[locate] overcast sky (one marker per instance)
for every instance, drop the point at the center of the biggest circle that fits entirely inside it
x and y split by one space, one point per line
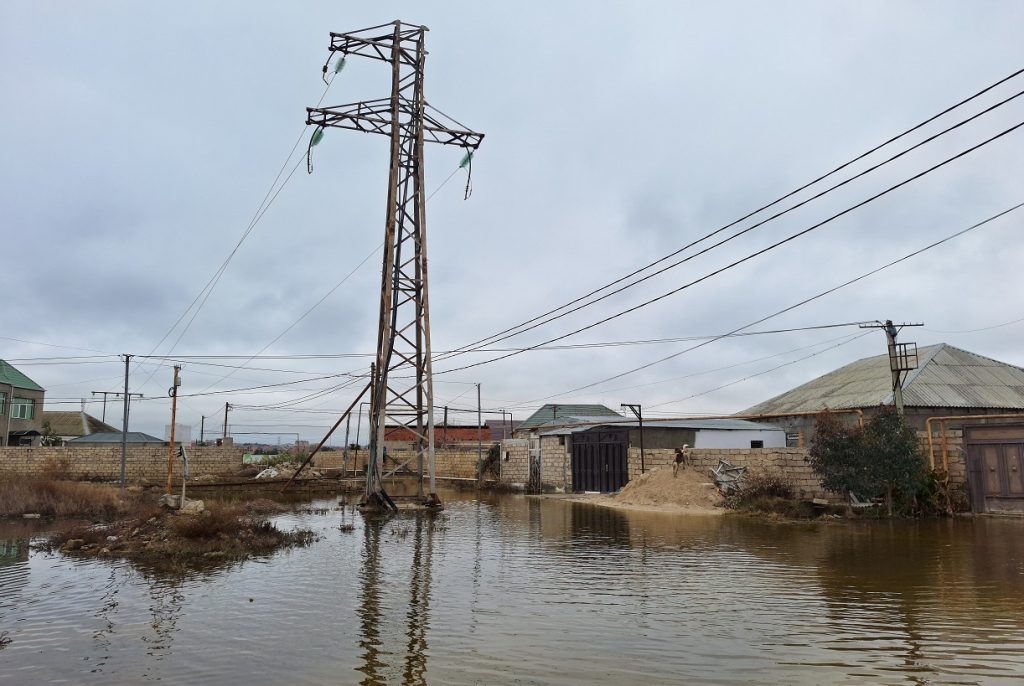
139 139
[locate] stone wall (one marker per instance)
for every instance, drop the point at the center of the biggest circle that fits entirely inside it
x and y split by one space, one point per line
956 454
104 462
515 462
555 461
790 462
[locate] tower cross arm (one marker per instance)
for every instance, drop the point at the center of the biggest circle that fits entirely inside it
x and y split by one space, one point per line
377 42
374 116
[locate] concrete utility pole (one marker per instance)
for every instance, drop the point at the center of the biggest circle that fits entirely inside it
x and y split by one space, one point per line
173 392
637 410
403 335
202 429
902 357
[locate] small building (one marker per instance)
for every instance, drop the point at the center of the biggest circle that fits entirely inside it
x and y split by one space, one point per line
595 453
114 438
21 408
68 425
500 429
569 412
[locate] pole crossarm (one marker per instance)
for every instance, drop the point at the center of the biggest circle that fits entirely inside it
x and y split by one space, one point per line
375 116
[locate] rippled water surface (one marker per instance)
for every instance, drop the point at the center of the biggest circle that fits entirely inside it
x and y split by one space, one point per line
517 590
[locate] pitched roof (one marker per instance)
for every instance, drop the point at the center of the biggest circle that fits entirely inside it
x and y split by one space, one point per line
556 411
9 376
946 376
74 423
115 437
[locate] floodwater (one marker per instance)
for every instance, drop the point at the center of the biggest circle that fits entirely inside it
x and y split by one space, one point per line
517 590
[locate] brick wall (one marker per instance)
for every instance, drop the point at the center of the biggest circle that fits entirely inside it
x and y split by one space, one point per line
555 462
104 462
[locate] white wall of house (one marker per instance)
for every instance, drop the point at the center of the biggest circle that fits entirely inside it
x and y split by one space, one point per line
713 438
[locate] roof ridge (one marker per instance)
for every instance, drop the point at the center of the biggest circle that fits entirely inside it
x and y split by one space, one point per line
939 347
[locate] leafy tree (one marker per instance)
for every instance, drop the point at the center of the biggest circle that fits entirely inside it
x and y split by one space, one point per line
882 459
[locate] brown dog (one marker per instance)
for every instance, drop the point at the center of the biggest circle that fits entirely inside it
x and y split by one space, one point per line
682 458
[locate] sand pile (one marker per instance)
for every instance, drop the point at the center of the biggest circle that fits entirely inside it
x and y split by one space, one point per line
692 489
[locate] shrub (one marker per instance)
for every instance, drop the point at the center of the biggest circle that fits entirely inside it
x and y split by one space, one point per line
881 459
218 519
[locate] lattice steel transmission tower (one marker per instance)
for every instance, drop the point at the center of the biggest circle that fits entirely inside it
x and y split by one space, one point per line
401 387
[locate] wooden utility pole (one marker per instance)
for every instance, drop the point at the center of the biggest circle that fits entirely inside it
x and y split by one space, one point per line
902 357
403 334
479 440
173 392
227 406
124 423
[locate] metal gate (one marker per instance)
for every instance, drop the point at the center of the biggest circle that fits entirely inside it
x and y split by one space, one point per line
533 480
995 467
599 460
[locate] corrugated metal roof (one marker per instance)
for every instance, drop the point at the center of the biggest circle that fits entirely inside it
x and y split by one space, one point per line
561 412
946 377
586 423
9 376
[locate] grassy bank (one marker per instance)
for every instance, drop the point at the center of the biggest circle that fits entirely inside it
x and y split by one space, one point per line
55 498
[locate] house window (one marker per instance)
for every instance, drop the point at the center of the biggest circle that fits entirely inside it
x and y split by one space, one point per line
3 403
22 408
757 444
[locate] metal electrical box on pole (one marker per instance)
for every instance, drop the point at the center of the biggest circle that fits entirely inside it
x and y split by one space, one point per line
902 357
402 384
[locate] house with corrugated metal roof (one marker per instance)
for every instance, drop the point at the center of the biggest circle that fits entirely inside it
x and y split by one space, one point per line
568 412
948 381
21 407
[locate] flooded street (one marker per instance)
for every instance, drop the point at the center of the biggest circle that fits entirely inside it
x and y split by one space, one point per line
517 590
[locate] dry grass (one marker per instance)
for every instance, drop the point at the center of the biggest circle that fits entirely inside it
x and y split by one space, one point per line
52 498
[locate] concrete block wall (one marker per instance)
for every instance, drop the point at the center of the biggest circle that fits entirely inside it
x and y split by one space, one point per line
104 462
790 462
555 462
515 470
453 461
956 454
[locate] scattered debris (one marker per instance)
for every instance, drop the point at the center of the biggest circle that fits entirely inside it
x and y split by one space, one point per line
728 477
5 639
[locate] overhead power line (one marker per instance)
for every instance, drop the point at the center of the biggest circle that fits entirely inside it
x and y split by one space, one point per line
796 305
541 320
502 334
755 254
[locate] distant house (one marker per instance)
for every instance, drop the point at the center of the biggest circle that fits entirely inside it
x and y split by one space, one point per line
400 437
500 429
21 408
569 412
114 438
71 425
948 381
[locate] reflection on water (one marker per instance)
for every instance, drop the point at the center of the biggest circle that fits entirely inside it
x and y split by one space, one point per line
516 590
